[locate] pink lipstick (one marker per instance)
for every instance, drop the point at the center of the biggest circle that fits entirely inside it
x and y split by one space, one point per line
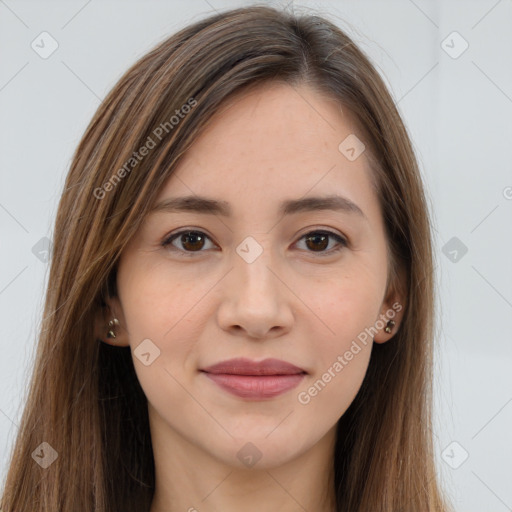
255 380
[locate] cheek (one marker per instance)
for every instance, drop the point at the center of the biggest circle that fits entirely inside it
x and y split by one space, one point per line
341 360
173 332
172 324
160 322
160 304
348 307
329 393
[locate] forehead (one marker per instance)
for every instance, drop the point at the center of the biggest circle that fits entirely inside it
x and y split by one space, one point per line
272 142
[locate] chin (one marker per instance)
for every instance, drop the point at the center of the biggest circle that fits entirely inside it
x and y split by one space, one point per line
264 451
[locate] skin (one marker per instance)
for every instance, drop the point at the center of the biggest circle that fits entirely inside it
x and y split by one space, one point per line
299 302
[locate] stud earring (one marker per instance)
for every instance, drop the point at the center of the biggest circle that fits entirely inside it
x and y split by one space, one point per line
111 324
389 326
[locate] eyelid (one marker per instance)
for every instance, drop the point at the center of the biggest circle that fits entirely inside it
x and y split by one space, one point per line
342 240
168 239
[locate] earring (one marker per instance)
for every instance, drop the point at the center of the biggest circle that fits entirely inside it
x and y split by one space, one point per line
390 326
111 324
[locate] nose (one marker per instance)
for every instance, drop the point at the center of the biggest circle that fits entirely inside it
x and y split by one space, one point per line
256 300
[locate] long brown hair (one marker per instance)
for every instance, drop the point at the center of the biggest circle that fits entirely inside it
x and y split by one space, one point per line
85 400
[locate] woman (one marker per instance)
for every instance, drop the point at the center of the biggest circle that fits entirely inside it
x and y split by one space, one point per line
240 303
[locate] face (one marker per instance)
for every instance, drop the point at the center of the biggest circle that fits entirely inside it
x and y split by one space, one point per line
199 288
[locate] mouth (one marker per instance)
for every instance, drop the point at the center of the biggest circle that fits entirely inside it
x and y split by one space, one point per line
255 380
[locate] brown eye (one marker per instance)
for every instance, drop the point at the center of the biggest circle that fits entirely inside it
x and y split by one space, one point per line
191 241
318 241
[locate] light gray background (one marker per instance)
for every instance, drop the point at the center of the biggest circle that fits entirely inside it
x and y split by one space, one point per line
458 112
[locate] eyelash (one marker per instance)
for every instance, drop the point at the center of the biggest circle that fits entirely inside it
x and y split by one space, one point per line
342 242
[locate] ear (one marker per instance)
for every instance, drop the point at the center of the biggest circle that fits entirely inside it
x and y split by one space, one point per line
393 308
104 315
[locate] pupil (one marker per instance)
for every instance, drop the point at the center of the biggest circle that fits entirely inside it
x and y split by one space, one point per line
315 237
189 236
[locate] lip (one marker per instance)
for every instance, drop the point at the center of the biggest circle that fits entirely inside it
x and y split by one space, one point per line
255 380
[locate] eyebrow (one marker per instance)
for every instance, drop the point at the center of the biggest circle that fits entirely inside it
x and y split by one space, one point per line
205 205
